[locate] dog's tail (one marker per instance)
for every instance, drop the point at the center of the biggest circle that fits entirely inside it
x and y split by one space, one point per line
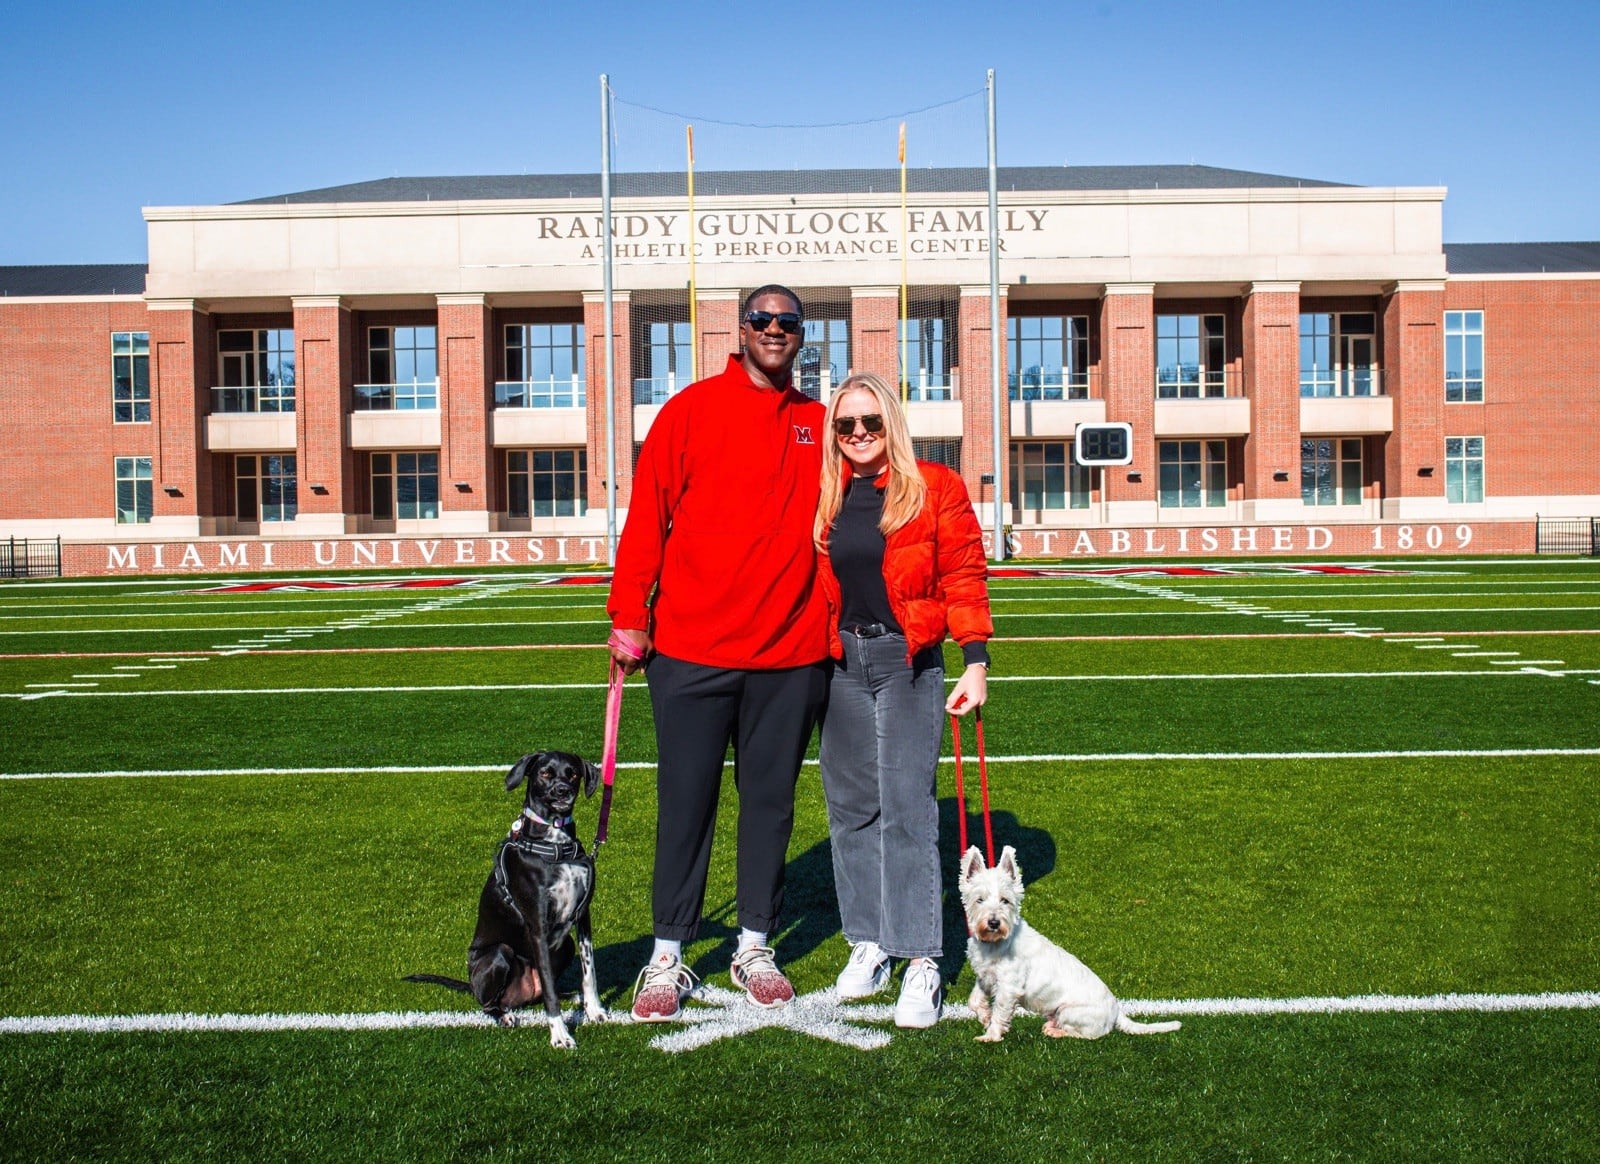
1130 1026
441 980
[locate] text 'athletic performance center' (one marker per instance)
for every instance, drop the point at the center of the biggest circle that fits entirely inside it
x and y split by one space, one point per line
412 372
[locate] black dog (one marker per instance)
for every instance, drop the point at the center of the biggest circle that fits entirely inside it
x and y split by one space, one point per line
535 901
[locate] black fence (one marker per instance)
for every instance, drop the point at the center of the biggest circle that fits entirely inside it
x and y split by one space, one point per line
24 558
1568 535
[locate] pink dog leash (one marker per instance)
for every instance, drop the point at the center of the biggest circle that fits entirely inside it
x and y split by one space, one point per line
608 760
983 781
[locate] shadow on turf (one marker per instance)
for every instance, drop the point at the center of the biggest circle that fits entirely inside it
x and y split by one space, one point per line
811 912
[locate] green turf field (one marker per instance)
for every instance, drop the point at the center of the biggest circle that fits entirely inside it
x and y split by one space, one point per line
1226 792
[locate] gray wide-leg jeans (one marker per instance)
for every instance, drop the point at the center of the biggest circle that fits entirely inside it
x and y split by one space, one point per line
880 759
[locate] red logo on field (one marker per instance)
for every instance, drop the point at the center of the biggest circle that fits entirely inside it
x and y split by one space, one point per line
802 435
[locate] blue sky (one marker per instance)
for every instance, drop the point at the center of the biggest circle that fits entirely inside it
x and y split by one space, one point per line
112 107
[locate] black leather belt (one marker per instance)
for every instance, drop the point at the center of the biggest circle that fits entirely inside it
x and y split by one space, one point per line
871 630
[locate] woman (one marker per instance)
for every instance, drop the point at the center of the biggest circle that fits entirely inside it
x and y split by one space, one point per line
901 559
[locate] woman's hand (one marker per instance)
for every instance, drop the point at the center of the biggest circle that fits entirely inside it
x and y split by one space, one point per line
971 690
630 648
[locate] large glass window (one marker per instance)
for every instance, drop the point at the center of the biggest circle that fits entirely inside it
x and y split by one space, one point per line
1194 474
944 451
1330 471
547 482
130 377
1463 357
670 345
1338 354
544 366
405 485
1048 356
1046 475
824 357
1191 356
265 488
256 370
1463 470
135 490
926 357
402 369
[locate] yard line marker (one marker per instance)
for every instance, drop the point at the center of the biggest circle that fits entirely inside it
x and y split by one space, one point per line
1445 646
106 676
1412 641
53 686
173 1023
1505 654
1526 663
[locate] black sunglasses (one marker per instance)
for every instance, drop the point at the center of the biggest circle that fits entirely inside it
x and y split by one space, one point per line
789 322
846 425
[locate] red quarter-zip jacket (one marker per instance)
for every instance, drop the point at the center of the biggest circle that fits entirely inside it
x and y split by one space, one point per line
723 503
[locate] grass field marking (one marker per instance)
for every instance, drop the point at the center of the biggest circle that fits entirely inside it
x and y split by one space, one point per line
1526 662
53 685
1444 646
1368 1004
1050 758
93 675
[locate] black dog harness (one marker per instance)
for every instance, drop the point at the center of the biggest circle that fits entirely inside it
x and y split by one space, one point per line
556 847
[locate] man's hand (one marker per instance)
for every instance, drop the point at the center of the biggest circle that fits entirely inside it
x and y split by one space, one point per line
971 690
630 648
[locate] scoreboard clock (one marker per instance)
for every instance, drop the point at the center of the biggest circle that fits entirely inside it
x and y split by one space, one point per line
1104 444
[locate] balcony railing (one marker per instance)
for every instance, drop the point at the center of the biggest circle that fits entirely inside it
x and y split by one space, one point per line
272 398
927 385
1328 382
1191 382
1049 384
550 393
419 396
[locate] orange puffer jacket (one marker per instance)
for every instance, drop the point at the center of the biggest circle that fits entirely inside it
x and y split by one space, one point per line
934 569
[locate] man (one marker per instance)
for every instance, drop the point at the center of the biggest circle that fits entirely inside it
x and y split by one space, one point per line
734 637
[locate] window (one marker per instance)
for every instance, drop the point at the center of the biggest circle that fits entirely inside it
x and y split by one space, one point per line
1048 356
405 485
544 366
1330 471
257 371
135 491
1191 356
402 369
1194 474
671 348
1463 357
824 357
130 377
547 482
944 451
926 357
1046 475
1463 470
265 488
1338 354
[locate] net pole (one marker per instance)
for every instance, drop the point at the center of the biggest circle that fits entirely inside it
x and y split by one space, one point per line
609 325
995 335
694 311
905 318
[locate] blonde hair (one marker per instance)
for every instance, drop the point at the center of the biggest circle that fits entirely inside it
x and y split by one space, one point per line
906 492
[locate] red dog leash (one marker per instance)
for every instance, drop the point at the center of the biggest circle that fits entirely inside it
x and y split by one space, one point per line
608 760
983 781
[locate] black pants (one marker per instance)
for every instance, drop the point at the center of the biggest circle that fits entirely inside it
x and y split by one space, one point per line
768 716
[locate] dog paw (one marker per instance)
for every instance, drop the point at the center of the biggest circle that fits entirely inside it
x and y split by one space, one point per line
561 1037
989 1037
597 1015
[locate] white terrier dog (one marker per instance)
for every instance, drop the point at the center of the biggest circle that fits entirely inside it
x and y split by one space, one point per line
1018 966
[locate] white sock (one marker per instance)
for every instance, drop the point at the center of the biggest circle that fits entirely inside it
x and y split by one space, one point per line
748 938
667 950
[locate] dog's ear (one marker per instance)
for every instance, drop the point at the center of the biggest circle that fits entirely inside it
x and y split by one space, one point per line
971 863
1008 864
591 778
519 770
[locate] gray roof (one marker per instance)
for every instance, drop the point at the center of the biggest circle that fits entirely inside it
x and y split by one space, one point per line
74 279
708 182
1521 258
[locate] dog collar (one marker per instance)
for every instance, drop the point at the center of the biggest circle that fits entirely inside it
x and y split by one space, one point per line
564 823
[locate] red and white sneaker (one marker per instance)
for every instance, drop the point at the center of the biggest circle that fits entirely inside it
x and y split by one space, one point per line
660 989
758 976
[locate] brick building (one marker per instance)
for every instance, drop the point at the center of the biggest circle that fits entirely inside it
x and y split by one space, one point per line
1305 367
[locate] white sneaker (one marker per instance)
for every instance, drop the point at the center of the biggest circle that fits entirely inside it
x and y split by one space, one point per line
921 995
866 972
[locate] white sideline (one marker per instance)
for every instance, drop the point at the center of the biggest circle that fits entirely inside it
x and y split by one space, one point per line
1043 758
414 1019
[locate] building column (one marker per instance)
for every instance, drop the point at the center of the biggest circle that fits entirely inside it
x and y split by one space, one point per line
180 357
874 321
466 392
716 330
1272 382
1413 359
1128 379
324 335
978 420
598 408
